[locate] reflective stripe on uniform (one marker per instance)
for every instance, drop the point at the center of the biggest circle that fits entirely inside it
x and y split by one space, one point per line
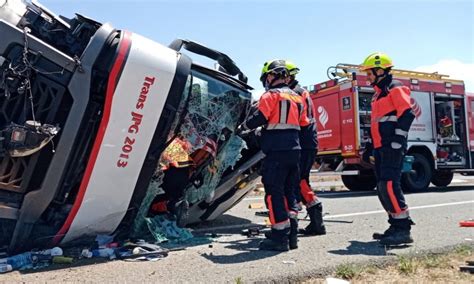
281 126
282 225
391 118
401 132
293 214
310 113
284 106
402 215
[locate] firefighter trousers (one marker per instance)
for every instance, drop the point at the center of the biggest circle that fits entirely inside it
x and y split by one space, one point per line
388 170
280 178
306 194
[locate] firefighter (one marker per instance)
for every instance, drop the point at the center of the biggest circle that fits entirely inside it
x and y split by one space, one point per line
391 119
309 148
281 112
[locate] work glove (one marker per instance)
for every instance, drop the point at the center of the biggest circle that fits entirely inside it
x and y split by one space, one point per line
239 130
242 130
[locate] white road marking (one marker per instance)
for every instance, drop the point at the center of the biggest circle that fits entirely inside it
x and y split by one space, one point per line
324 194
410 208
239 226
242 226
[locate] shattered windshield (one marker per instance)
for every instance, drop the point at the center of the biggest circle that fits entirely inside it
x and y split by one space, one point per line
198 152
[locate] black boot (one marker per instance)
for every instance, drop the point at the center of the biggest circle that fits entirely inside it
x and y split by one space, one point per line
400 234
399 237
389 231
316 225
277 242
293 237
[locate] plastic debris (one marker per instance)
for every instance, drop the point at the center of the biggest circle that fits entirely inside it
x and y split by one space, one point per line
141 251
250 232
468 223
104 252
467 268
27 260
256 206
261 213
5 268
86 253
103 240
62 260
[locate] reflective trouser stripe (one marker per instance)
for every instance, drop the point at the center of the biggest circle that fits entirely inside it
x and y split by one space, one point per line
393 198
293 215
282 225
307 193
402 215
271 214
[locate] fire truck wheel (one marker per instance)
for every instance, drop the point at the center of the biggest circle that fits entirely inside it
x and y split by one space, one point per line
442 178
420 177
359 182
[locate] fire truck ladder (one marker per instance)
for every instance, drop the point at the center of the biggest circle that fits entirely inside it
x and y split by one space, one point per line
348 69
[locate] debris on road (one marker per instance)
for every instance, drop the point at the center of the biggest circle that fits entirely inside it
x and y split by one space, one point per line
468 223
251 232
256 206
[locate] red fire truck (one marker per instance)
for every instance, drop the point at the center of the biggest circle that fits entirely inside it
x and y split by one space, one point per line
441 138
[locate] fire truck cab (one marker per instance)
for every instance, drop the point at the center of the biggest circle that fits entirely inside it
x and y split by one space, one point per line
441 138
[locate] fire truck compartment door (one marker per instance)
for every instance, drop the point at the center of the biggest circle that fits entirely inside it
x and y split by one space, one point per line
422 127
470 120
328 122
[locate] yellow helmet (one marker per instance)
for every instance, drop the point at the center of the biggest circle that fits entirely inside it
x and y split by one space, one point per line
273 66
377 60
292 69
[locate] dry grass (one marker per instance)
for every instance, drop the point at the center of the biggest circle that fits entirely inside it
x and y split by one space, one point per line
433 268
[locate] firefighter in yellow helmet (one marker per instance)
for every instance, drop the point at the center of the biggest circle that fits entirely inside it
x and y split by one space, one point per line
281 113
391 119
309 148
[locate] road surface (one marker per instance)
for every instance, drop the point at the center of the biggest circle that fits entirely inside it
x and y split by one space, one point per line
351 219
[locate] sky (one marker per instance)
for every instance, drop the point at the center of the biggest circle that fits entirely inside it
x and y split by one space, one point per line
418 35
